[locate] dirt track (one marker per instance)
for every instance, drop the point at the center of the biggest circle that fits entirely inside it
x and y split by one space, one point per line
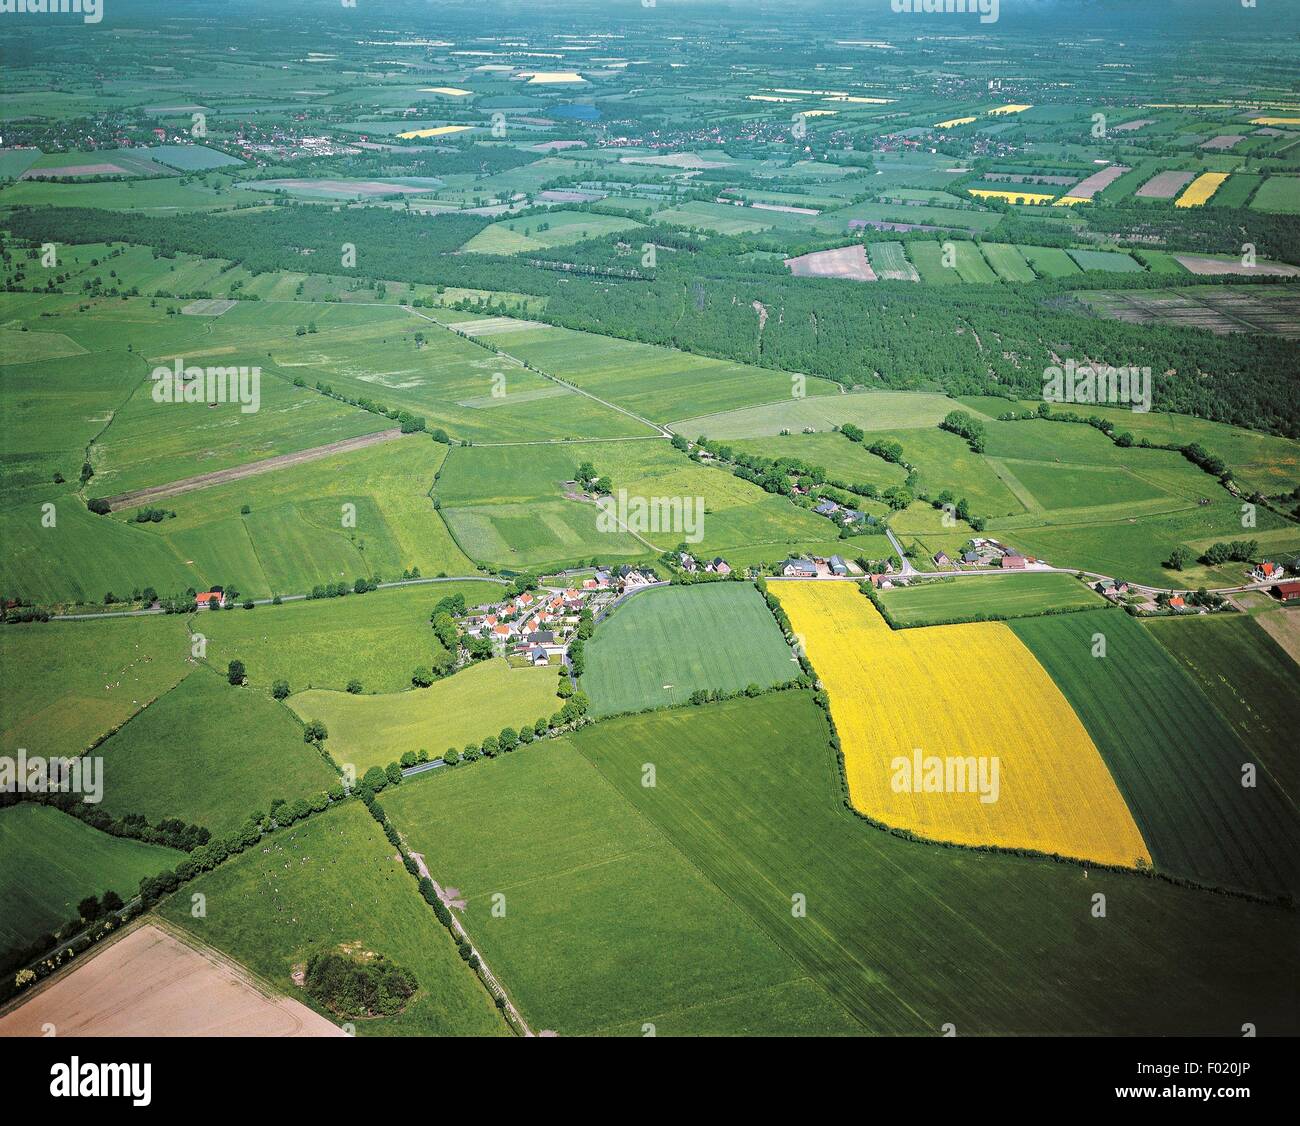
251 469
150 983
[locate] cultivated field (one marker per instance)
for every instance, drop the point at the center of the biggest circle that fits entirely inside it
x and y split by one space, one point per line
1175 759
843 262
970 690
662 645
907 936
1249 678
606 927
151 983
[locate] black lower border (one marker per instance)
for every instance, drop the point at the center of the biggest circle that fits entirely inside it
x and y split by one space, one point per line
926 1075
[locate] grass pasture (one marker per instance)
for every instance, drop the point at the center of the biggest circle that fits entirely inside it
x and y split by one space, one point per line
657 383
53 861
328 642
466 707
67 684
985 597
299 530
211 754
663 644
1174 757
333 880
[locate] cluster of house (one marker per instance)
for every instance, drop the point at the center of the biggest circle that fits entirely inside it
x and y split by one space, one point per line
814 568
981 552
536 625
715 566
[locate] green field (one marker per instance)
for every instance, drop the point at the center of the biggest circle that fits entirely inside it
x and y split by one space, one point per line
363 513
1008 261
410 361
660 384
68 684
725 219
980 597
1249 678
1050 261
607 927
366 731
971 266
928 259
875 410
53 860
541 232
1105 260
908 937
326 643
329 881
506 505
1278 193
1175 759
210 754
662 645
889 259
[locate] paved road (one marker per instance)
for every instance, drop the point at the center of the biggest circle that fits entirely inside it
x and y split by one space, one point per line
908 569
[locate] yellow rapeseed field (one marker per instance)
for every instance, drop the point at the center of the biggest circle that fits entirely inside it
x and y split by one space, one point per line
439 131
1200 189
1010 197
953 122
936 721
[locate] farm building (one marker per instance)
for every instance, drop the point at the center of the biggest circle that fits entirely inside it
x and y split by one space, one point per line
1013 561
837 565
211 600
1288 592
799 568
630 578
